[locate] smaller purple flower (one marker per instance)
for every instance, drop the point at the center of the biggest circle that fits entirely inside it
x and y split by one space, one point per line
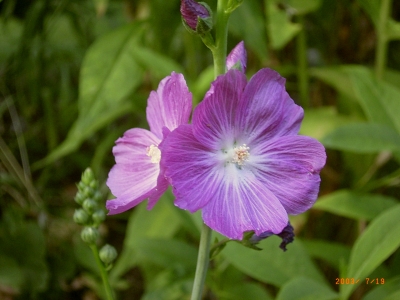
241 161
237 58
192 11
138 174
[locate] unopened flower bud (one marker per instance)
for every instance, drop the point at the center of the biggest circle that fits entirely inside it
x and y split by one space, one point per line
90 235
98 216
88 177
196 17
81 216
287 236
97 196
89 205
237 58
108 254
79 198
88 192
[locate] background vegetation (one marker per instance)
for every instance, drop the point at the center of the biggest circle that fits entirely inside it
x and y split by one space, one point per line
76 74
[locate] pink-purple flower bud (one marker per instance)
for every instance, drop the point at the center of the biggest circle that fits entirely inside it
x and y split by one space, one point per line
192 12
237 58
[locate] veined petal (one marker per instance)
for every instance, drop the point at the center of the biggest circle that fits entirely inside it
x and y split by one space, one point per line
134 176
214 118
190 168
242 204
266 110
170 105
289 166
237 58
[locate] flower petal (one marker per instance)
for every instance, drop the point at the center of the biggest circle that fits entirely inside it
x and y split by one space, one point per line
170 106
242 204
237 58
214 118
189 168
134 177
289 166
266 110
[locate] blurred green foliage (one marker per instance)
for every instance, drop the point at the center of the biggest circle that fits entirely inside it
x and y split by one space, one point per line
75 74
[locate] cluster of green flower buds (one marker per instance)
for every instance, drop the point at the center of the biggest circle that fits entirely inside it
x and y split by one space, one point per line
91 214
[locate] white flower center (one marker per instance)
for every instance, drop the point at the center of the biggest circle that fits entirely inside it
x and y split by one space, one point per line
154 153
240 155
236 155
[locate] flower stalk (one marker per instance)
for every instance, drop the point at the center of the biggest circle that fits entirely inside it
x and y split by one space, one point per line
219 57
382 38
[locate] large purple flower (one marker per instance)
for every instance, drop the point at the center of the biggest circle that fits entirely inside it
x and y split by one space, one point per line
241 160
138 174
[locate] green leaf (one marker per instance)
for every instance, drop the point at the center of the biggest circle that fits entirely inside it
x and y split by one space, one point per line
379 99
301 288
272 265
303 7
318 122
377 243
11 275
363 138
168 253
244 290
248 21
355 205
161 222
372 8
332 253
109 74
281 29
383 291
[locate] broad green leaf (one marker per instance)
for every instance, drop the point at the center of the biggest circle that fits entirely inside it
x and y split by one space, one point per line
377 243
281 29
372 7
10 34
11 275
338 78
161 222
248 22
168 253
332 253
244 290
302 288
302 7
355 205
272 265
363 138
379 100
318 122
383 291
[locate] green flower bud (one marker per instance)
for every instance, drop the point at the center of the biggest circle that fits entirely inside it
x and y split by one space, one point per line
88 192
90 235
81 216
89 205
81 186
98 196
79 198
108 254
98 216
88 177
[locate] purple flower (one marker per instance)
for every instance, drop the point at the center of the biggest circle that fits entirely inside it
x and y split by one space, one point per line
191 11
138 174
237 58
241 160
287 236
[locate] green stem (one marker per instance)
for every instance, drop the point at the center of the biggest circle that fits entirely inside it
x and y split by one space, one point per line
221 37
219 56
302 70
202 263
383 39
103 272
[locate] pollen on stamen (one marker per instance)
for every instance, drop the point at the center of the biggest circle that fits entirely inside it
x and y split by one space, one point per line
241 155
154 153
